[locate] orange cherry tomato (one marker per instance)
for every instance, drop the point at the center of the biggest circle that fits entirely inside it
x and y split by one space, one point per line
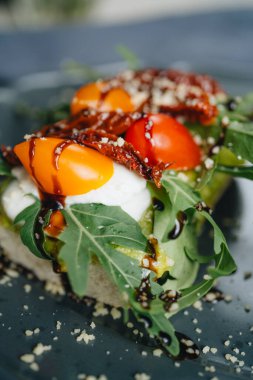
56 224
91 95
62 167
161 138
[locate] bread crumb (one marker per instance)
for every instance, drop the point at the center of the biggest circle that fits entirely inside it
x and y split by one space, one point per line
158 352
198 305
85 337
100 310
58 325
206 349
39 349
28 332
27 358
75 331
34 366
27 288
141 376
54 288
11 273
115 313
92 325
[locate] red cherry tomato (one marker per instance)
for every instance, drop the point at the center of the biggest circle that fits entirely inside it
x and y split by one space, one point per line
160 138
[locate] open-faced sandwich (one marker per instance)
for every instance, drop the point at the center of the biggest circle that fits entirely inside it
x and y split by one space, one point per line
116 194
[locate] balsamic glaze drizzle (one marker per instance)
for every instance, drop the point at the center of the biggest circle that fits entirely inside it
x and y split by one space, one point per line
143 293
179 225
157 204
49 202
169 297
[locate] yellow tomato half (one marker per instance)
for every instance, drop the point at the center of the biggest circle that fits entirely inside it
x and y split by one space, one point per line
64 168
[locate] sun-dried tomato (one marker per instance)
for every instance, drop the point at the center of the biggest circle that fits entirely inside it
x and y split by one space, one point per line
9 156
117 149
193 109
113 122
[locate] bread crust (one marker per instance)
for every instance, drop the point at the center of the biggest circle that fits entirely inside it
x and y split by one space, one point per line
99 285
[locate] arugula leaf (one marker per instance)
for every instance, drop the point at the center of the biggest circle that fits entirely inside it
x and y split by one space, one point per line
28 218
129 56
105 231
239 139
5 170
207 175
184 270
95 229
181 195
245 105
237 171
192 294
78 69
225 264
160 324
188 198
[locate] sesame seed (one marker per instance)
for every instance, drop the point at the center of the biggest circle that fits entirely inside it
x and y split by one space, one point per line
209 163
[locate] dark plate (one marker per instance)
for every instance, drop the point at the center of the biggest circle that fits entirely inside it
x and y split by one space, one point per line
115 352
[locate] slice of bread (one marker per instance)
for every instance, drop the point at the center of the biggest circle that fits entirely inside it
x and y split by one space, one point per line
99 286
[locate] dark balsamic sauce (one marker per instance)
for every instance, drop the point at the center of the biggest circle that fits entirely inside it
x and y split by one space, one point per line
179 225
219 143
157 204
143 293
188 349
164 338
56 185
214 295
169 297
164 278
150 260
201 206
58 151
231 104
49 202
146 321
32 150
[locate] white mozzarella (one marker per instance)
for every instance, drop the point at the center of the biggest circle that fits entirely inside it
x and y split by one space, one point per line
125 189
